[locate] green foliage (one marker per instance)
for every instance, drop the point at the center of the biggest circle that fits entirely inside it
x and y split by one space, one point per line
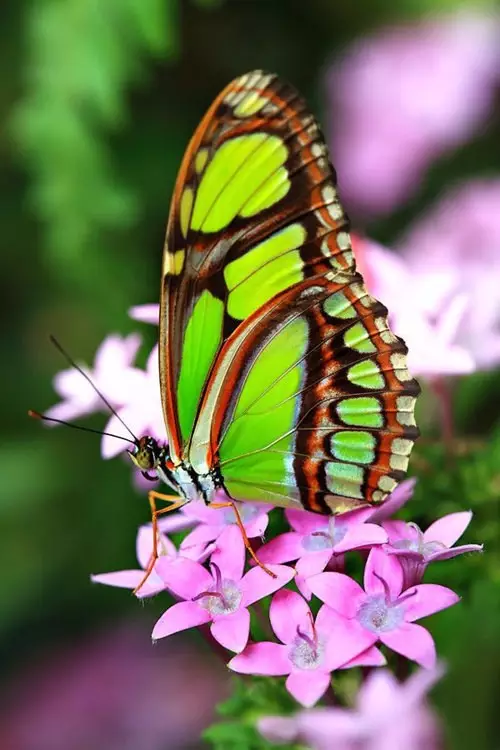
82 54
252 698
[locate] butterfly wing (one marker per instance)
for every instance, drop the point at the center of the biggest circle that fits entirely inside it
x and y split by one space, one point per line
277 366
256 164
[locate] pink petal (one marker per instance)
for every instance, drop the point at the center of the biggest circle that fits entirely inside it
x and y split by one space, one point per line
380 565
232 631
309 565
180 616
462 549
412 641
448 529
428 599
262 659
344 639
278 729
257 583
68 411
307 687
282 548
229 554
304 522
145 313
257 527
395 501
144 546
361 535
186 578
339 591
313 563
176 521
287 612
399 530
110 446
372 657
130 579
202 513
200 535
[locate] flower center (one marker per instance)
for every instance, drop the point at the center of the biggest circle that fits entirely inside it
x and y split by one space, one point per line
379 616
223 597
417 543
325 538
379 613
307 652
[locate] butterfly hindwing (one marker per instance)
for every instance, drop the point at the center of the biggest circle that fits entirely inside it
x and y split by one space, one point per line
314 403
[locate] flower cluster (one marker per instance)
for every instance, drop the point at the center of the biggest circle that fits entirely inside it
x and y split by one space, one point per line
321 619
403 97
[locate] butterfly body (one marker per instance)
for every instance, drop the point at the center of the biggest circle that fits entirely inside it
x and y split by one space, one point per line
281 381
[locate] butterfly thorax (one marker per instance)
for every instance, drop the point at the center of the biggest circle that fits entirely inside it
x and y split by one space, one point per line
153 459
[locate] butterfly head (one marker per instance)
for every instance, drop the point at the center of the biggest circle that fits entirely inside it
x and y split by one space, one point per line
146 455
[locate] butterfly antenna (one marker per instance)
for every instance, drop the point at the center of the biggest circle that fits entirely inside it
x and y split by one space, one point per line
95 388
36 415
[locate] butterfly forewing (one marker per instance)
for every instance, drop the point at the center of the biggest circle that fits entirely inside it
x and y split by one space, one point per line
276 364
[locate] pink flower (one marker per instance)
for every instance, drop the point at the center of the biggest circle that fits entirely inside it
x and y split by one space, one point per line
112 374
402 97
437 252
145 313
389 715
213 521
309 650
317 541
170 559
415 549
221 597
382 612
432 335
142 412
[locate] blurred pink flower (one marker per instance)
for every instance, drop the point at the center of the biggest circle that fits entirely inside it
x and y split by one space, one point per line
309 650
112 374
454 250
432 336
142 412
211 522
389 715
130 579
402 97
221 597
145 313
415 549
383 612
316 539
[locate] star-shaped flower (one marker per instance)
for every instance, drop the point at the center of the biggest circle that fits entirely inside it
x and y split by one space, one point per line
220 597
383 612
309 651
415 549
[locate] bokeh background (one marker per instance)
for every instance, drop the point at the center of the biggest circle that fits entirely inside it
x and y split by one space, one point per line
98 100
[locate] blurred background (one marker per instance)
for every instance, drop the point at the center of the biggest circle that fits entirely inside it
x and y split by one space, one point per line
99 100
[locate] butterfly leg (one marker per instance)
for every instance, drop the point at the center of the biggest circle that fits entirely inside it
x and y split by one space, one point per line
246 540
175 504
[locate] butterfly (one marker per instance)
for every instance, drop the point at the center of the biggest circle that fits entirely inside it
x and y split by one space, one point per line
281 381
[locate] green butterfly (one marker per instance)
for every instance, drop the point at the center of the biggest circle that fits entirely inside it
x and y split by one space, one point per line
281 381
